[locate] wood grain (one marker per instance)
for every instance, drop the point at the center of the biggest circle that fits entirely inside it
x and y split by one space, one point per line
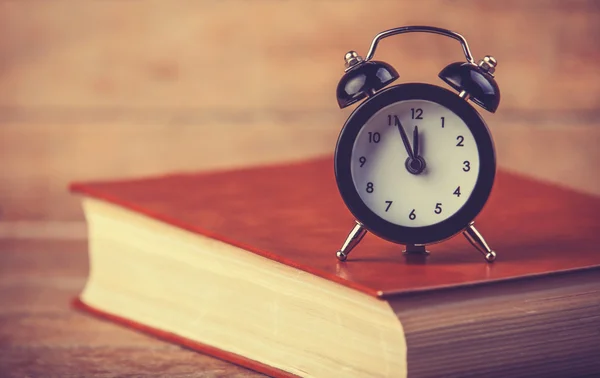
40 335
79 361
206 54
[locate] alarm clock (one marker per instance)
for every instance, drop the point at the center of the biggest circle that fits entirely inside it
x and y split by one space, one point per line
415 163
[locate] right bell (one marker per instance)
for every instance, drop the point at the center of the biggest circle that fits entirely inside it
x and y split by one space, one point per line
477 80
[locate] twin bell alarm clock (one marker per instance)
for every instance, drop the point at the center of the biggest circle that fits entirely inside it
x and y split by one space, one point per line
415 163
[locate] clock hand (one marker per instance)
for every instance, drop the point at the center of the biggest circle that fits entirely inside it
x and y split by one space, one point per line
405 139
416 142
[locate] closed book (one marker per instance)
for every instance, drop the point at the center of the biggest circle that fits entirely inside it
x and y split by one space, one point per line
241 264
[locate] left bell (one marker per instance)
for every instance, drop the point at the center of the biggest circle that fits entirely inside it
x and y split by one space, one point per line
362 79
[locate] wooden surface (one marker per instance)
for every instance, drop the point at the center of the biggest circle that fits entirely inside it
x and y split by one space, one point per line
41 335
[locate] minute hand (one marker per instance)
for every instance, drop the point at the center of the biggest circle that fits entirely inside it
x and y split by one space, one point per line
405 139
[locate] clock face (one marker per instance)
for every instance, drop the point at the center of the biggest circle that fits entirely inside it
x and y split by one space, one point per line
425 188
415 163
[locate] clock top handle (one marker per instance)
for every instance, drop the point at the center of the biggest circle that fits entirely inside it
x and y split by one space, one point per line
363 77
420 29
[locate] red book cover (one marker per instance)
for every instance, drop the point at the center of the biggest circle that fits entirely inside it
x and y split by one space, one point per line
292 213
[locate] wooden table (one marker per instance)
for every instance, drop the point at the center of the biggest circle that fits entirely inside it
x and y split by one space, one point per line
41 335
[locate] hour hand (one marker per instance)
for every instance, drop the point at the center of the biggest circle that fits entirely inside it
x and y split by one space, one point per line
405 139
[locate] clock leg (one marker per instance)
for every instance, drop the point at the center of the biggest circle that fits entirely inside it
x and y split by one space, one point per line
412 249
475 238
355 236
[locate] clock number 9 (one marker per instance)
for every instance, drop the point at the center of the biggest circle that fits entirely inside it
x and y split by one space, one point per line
370 187
362 160
412 215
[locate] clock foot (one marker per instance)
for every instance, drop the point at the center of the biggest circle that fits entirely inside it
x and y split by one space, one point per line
355 236
412 249
475 238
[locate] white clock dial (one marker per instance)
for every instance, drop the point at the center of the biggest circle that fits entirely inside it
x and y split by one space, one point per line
447 147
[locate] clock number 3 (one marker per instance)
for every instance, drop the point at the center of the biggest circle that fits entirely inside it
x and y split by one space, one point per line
467 166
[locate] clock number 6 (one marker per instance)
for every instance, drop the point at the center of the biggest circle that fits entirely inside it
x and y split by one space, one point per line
412 215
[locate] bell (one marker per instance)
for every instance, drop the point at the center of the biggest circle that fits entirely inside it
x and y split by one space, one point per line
362 79
476 80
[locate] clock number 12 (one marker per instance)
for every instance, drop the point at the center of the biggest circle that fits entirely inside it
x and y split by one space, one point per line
416 113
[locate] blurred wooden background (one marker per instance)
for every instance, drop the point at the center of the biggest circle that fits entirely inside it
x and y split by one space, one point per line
112 89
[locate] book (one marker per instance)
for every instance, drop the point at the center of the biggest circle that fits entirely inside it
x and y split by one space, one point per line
240 264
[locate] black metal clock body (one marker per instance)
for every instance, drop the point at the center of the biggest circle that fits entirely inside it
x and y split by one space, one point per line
426 190
407 234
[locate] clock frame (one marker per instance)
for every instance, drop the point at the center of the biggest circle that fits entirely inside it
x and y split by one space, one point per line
415 235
